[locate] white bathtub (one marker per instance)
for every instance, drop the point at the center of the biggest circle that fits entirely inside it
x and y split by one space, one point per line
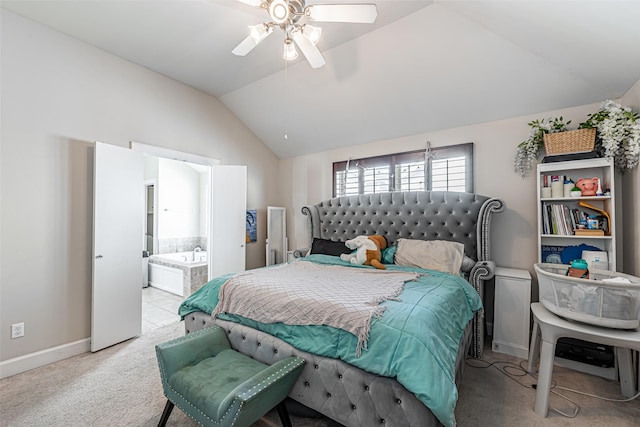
182 258
180 273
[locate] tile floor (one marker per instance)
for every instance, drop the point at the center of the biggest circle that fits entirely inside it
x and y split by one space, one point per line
159 308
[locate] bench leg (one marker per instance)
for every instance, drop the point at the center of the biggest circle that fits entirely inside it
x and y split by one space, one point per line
165 414
284 414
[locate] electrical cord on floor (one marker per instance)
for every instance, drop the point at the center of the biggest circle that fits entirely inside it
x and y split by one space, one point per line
503 369
584 394
599 397
575 411
522 372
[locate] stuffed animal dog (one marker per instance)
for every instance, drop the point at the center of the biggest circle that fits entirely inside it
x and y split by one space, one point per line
368 251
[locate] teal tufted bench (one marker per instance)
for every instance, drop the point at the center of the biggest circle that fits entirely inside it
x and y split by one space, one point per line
217 386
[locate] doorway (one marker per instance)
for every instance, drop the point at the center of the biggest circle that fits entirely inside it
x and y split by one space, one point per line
193 198
116 299
175 238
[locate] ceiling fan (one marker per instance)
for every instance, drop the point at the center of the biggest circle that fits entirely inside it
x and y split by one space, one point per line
286 14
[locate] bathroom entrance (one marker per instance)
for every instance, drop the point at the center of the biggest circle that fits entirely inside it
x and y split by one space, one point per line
117 289
176 216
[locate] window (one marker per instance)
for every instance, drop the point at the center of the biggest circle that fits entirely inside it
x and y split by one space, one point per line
444 169
452 168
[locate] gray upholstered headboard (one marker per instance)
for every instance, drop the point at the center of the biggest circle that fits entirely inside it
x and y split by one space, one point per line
424 215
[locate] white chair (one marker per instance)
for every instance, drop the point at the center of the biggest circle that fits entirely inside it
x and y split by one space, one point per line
551 327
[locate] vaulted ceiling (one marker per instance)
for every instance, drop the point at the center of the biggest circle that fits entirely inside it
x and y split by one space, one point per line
423 66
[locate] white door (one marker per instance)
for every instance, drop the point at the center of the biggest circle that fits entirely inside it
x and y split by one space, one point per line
118 196
276 235
228 220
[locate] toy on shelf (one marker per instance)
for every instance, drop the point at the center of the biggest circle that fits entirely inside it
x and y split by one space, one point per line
589 186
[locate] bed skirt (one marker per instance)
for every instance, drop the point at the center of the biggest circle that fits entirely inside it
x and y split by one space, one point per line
332 387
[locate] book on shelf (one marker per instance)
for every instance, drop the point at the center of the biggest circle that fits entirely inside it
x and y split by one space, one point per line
587 232
606 220
559 219
552 254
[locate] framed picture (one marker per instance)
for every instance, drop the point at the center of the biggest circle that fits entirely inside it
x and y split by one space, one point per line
252 220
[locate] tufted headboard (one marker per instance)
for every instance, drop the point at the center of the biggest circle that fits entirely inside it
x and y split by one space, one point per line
424 215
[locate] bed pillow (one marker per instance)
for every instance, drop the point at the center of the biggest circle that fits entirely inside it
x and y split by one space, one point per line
388 254
440 255
467 264
328 247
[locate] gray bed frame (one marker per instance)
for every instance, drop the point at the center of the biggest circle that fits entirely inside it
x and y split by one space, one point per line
340 391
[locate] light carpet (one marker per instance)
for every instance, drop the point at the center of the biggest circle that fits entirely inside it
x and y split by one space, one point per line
117 386
120 386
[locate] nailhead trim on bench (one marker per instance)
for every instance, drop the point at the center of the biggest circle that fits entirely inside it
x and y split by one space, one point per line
288 368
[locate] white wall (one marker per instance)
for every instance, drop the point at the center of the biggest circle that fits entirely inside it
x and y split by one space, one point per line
514 242
151 168
179 201
631 200
203 189
59 96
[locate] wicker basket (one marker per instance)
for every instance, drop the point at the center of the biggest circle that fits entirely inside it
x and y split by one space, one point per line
572 141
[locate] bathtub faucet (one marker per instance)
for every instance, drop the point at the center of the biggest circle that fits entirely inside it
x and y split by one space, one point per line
197 249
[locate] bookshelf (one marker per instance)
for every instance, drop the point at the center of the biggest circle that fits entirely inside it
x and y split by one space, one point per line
551 242
559 214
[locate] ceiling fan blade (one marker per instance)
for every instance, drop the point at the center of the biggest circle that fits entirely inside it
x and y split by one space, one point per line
313 55
249 43
358 13
245 46
255 3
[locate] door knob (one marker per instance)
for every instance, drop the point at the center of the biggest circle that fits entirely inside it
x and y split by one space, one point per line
98 256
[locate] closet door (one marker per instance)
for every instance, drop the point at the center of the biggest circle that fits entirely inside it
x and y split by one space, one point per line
118 196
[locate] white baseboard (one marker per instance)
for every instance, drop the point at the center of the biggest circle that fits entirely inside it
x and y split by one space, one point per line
510 349
44 357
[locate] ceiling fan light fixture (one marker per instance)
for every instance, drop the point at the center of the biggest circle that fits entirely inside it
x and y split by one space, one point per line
290 52
279 11
286 15
311 33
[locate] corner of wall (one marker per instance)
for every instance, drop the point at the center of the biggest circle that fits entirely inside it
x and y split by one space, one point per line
631 200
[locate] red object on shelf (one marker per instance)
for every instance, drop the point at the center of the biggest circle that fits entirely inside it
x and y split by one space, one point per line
588 186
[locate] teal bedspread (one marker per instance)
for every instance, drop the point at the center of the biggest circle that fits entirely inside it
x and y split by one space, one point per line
416 341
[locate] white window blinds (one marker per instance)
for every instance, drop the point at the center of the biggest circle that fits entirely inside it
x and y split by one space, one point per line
410 176
444 169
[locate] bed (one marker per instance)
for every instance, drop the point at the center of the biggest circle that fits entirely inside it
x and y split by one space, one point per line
359 390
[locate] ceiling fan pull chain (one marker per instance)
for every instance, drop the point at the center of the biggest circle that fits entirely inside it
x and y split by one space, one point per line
286 99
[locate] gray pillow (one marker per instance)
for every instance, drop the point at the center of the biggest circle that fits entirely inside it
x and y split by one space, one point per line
467 264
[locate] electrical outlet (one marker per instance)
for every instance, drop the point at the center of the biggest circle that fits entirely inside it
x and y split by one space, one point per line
17 330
